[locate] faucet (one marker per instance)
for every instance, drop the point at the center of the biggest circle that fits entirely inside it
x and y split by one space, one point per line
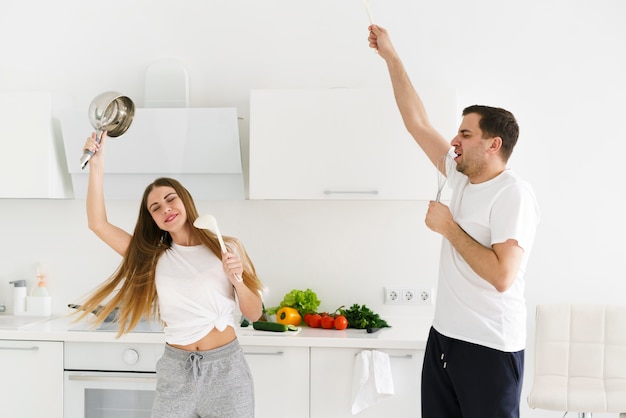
3 308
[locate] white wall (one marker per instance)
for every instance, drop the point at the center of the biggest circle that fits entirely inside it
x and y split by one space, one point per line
557 64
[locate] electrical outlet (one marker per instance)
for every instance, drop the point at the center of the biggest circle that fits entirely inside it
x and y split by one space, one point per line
393 295
410 296
424 296
397 295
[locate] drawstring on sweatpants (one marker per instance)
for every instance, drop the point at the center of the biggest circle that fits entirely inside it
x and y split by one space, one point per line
194 364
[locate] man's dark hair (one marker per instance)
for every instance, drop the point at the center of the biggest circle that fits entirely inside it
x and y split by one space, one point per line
495 121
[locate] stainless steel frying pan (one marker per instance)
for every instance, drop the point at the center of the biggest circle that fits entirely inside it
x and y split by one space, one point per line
111 112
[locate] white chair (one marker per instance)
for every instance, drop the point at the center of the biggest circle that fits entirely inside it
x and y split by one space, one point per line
580 359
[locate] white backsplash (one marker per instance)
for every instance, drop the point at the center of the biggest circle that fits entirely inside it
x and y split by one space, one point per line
345 251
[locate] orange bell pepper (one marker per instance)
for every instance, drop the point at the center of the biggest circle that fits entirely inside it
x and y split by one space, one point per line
288 316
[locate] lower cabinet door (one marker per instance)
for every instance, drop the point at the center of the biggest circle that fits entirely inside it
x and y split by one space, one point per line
332 374
32 379
281 380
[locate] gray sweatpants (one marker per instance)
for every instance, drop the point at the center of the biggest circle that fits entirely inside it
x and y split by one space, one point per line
204 384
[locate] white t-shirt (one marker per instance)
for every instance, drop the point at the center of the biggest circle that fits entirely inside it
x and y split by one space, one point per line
468 307
194 293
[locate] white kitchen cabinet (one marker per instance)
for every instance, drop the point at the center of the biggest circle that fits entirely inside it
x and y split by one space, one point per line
31 381
341 144
281 380
331 384
31 161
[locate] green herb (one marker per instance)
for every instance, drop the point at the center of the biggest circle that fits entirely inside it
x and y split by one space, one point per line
304 301
362 317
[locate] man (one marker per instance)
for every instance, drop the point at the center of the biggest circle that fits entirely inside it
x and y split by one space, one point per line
474 359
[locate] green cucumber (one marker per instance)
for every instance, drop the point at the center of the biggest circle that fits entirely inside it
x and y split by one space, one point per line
269 326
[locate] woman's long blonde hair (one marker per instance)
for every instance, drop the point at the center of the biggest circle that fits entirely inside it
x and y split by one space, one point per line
132 286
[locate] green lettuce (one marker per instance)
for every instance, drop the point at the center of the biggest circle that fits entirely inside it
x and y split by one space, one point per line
304 301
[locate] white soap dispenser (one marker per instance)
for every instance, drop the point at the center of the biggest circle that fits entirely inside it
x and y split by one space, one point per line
19 297
40 302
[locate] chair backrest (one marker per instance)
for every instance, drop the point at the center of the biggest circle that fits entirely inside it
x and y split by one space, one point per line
580 358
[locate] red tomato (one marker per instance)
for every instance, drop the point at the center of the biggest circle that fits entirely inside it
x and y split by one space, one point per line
307 317
315 321
341 322
328 322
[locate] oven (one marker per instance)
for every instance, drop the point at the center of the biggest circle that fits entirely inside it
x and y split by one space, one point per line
109 380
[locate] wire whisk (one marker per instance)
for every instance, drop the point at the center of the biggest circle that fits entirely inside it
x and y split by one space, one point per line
441 177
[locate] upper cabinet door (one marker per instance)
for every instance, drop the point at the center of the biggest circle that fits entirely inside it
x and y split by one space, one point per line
341 144
31 160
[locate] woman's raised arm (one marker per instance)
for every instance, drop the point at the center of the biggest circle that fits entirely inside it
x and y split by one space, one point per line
114 237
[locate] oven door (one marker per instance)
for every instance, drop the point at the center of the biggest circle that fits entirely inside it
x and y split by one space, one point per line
108 394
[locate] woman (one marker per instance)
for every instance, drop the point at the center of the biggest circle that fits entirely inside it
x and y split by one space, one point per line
202 372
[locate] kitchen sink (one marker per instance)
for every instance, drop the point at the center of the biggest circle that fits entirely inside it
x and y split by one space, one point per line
12 322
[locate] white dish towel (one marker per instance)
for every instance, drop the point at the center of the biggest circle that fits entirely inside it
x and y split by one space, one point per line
372 380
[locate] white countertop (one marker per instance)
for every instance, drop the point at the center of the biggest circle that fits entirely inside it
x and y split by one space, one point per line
404 334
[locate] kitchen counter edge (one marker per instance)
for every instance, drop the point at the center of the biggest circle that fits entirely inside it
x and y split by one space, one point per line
405 335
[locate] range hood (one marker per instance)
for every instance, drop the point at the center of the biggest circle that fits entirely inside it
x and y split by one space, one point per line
32 164
197 146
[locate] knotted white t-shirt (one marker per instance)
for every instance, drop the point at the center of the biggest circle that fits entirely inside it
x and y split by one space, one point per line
195 295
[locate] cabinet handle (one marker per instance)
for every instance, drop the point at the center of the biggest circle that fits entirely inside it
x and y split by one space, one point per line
276 353
406 356
104 378
351 192
400 356
35 348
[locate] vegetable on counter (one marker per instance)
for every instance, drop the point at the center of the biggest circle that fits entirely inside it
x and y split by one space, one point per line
288 316
273 326
304 301
327 321
341 322
314 320
302 304
362 317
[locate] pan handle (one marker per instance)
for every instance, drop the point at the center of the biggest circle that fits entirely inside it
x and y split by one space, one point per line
84 160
